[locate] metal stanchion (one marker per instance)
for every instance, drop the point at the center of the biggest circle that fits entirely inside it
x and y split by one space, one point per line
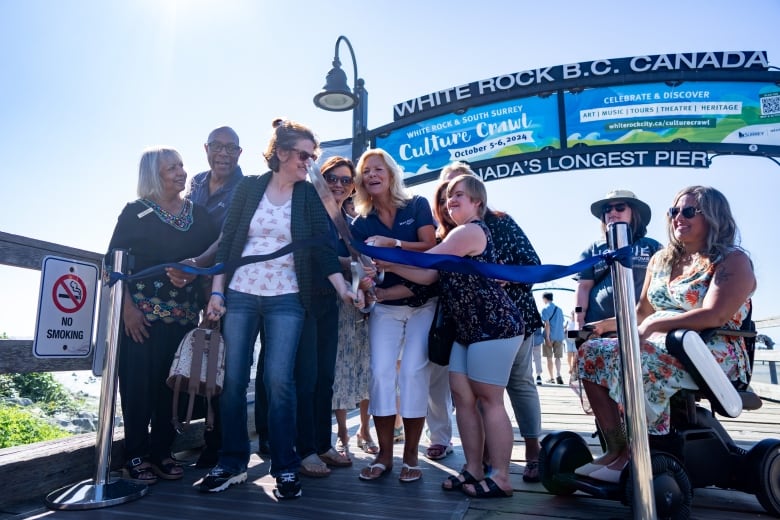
103 491
633 389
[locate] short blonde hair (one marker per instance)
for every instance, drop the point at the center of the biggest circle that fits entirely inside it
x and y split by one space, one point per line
398 193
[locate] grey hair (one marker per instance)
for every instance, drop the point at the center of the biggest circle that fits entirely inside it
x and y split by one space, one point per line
149 182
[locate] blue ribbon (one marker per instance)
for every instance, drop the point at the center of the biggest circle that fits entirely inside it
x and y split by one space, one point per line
528 274
221 267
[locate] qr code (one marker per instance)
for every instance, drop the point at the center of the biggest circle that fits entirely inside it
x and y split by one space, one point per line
770 104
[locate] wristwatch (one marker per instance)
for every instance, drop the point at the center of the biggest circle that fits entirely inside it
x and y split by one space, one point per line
397 243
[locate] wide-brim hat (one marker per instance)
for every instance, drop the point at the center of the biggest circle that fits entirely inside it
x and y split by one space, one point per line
623 196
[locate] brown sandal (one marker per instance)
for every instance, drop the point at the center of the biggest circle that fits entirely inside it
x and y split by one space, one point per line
140 471
167 469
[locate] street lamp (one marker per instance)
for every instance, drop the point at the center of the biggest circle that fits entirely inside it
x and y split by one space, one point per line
336 96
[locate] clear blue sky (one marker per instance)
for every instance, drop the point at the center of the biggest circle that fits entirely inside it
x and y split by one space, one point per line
86 85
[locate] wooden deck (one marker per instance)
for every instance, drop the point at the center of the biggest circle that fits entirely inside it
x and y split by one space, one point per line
343 495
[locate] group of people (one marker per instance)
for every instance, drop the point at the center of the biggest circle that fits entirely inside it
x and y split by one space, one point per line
321 353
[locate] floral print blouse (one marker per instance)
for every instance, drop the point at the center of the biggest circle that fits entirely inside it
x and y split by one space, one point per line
480 307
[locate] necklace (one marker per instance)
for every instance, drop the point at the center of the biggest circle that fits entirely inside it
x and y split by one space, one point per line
182 221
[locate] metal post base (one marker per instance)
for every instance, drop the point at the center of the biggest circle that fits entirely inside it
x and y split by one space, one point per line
88 495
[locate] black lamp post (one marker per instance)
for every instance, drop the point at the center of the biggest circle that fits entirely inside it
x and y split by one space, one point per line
336 96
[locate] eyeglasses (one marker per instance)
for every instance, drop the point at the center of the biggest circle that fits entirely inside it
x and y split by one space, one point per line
620 207
304 155
230 148
333 179
687 212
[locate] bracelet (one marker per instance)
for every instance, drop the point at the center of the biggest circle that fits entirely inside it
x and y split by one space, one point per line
217 293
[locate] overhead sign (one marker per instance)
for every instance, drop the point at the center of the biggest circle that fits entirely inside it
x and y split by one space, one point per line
66 308
696 112
612 71
485 132
663 110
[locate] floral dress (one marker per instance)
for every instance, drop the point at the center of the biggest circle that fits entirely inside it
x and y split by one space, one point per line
664 375
353 372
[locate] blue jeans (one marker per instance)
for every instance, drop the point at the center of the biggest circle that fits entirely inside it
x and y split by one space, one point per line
282 320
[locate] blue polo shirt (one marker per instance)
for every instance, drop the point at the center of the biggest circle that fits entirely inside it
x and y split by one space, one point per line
554 315
408 219
215 203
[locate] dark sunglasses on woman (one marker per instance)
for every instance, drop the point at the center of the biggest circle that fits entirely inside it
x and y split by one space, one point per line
333 179
687 212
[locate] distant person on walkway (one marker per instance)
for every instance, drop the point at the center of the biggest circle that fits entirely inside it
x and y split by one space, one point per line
594 295
160 227
268 212
571 347
552 350
538 341
703 279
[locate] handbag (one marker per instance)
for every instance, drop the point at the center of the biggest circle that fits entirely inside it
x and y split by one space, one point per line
441 336
198 367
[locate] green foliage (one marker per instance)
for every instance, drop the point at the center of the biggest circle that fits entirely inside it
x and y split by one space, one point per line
43 389
20 427
7 388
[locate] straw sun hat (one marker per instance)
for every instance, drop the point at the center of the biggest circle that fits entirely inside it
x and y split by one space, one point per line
622 196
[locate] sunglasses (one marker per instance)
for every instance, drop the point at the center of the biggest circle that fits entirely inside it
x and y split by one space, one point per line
620 207
687 212
303 155
333 179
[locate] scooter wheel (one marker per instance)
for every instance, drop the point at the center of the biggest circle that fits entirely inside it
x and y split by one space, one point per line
763 462
671 488
562 452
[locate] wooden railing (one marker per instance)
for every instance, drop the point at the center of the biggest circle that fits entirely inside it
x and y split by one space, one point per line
36 469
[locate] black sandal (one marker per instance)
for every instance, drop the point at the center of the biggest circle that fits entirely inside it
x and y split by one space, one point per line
457 483
493 491
167 469
140 471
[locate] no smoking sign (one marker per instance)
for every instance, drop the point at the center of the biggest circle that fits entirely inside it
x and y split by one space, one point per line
69 293
66 308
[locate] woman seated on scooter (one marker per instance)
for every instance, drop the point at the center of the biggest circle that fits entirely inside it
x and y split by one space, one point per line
701 280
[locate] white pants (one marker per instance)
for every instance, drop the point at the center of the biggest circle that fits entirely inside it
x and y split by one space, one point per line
439 416
391 328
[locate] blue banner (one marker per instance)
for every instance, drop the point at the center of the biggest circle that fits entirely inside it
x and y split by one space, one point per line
484 132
